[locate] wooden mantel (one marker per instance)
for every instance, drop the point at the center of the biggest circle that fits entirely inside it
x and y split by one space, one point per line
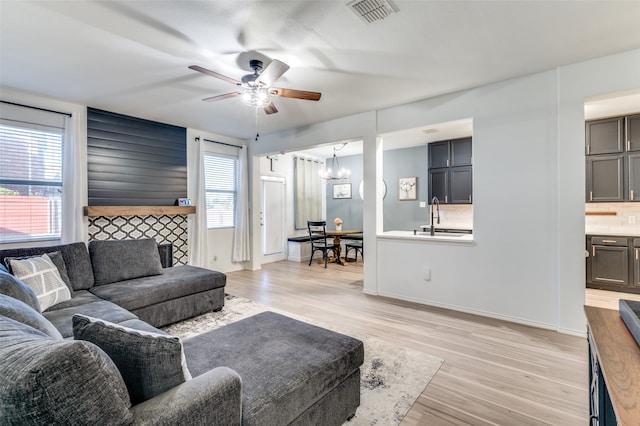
94 211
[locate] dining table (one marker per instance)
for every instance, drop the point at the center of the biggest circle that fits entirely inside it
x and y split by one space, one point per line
336 240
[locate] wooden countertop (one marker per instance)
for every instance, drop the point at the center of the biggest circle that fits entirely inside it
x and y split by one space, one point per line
619 357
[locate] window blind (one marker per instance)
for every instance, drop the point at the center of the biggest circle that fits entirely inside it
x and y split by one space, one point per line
32 143
220 184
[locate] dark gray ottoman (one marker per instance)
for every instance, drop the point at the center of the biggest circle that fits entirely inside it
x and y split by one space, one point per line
292 372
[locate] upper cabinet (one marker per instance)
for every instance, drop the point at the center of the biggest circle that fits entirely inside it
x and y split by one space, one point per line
613 159
632 132
605 136
450 171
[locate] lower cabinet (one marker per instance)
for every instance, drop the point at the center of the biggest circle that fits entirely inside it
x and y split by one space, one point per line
613 263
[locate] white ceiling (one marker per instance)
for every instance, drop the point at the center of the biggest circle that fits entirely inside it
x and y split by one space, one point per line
131 57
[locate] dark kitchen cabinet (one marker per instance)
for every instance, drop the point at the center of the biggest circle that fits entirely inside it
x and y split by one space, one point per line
451 171
461 152
633 166
461 181
613 159
635 255
632 132
439 185
608 262
605 178
439 155
605 136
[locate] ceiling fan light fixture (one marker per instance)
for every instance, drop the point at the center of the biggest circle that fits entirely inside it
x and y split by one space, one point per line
256 96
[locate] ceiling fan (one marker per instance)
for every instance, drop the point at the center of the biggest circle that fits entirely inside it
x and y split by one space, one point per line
255 89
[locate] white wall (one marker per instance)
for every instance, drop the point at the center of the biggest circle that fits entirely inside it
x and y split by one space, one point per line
527 264
510 271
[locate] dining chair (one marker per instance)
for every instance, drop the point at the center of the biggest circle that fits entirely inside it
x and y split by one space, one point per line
318 237
353 245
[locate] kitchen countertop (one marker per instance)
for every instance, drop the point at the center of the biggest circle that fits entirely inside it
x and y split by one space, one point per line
613 232
458 239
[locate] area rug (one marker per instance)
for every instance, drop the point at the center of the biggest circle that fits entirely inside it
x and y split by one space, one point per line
392 377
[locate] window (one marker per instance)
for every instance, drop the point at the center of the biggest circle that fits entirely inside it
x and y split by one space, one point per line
308 191
220 183
30 175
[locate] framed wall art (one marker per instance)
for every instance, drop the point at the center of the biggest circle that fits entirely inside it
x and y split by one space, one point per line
342 190
407 188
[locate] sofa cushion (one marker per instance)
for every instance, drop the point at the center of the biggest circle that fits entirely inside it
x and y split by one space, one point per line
48 381
119 260
19 311
61 318
41 274
295 366
176 282
76 258
150 363
11 286
80 297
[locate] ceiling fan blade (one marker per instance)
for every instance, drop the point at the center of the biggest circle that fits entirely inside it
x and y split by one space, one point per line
297 94
221 97
273 72
215 74
270 109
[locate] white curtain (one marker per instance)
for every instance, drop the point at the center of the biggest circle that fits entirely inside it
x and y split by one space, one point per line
308 191
197 223
72 225
241 242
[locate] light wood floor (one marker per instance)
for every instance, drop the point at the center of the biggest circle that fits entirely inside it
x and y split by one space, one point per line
494 372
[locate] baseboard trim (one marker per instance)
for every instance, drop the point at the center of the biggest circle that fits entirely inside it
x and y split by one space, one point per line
508 318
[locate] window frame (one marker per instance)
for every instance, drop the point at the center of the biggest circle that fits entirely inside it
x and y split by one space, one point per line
23 123
233 192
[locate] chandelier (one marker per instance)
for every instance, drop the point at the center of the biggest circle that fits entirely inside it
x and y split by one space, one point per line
335 173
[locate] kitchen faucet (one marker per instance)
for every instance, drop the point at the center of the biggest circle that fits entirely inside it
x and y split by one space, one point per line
437 202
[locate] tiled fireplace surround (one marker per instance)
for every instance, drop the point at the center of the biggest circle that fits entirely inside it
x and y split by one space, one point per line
164 228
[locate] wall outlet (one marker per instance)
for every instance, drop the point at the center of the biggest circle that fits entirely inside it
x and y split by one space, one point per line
426 274
632 219
423 204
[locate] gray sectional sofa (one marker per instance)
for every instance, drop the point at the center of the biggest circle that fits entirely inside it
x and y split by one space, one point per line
123 280
98 357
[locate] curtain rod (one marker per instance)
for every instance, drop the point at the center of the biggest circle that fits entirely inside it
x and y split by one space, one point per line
38 108
221 143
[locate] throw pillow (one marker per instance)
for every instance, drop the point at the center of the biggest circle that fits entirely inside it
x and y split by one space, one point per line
150 363
120 260
41 274
21 312
57 259
11 286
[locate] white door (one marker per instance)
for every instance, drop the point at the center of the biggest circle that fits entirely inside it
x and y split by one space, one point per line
273 219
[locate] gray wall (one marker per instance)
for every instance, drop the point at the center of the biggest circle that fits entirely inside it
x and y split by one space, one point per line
349 210
405 215
398 215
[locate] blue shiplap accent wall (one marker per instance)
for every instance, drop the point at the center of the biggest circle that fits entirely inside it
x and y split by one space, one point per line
134 162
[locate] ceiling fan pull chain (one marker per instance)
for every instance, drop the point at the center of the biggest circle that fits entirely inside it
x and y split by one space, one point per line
257 134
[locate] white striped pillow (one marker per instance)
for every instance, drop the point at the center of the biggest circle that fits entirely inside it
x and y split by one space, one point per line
42 276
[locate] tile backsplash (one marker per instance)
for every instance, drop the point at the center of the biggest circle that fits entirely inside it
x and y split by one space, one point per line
457 216
625 220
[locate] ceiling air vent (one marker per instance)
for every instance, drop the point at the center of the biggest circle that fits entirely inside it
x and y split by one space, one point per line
370 11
